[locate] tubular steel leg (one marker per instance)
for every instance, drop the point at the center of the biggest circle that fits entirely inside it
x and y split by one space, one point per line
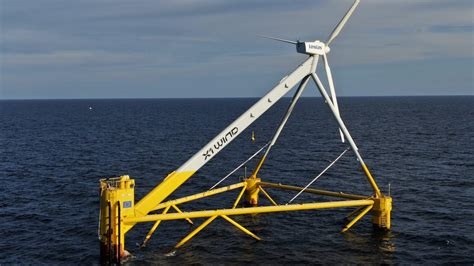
313 191
297 95
357 218
268 196
199 195
250 210
179 211
240 196
195 231
353 212
243 229
348 136
119 235
153 228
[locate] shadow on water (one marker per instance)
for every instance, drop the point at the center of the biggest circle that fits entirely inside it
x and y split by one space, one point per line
378 242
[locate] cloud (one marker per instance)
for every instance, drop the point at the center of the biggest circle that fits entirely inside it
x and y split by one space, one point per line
207 38
452 28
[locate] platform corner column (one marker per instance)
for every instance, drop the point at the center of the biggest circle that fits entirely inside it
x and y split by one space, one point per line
116 203
251 192
381 212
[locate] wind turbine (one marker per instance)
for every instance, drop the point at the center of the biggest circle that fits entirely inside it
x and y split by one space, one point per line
320 48
117 194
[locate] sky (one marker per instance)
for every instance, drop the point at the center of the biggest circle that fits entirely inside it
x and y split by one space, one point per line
56 49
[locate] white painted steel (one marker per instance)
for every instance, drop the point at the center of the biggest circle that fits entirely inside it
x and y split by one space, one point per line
278 39
238 167
312 48
342 126
297 95
240 124
309 48
341 23
333 90
308 67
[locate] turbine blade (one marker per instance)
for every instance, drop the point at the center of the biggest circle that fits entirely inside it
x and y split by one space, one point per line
341 23
333 91
278 39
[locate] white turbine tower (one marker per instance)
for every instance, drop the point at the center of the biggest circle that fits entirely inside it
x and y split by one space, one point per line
319 48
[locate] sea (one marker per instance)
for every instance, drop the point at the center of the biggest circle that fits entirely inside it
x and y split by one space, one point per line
420 151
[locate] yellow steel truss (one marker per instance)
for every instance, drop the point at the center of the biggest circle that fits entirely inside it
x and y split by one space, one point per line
119 212
378 205
364 204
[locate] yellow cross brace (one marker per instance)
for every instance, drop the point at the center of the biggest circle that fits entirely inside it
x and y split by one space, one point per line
357 218
243 211
198 196
268 196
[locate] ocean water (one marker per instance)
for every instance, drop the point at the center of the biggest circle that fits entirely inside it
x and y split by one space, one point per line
53 152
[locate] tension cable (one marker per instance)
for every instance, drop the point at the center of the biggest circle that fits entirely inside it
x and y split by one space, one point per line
316 178
238 167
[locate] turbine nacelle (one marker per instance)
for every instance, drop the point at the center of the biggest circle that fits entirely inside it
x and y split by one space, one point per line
312 48
318 48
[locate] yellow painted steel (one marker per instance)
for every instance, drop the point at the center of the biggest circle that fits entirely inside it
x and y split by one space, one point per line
357 218
124 214
116 203
313 191
119 190
207 222
259 165
179 211
250 210
195 231
240 196
243 229
354 212
199 196
382 212
268 196
153 228
371 181
161 192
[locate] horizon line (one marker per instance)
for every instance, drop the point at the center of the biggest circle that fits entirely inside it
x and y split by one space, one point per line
204 98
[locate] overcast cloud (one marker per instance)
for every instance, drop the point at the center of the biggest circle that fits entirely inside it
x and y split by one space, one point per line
158 49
